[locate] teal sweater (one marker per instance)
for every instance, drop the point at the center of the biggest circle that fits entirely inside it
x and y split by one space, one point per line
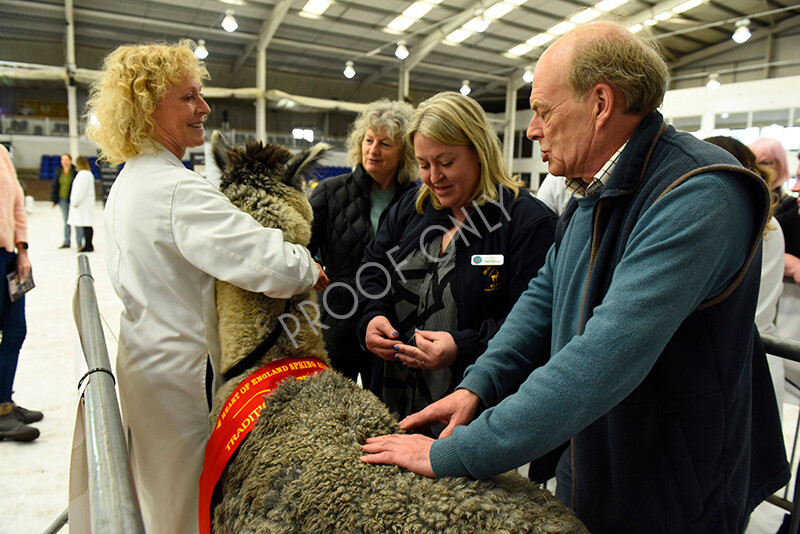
664 276
637 341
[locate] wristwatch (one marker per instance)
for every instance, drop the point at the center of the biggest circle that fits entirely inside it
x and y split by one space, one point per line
22 246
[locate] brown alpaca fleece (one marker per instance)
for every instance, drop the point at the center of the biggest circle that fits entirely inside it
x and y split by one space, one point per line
298 471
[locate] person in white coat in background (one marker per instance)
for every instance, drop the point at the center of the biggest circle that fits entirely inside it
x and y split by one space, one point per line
553 193
81 205
170 234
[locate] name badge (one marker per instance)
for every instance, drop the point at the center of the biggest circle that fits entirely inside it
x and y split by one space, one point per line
487 259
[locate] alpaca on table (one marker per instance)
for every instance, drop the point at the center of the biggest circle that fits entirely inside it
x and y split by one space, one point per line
298 469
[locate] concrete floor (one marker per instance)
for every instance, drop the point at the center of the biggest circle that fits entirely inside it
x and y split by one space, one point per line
34 476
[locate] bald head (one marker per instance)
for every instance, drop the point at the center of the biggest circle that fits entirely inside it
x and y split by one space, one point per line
607 52
590 91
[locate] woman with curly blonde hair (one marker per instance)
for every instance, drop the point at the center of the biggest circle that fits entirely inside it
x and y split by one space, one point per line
170 234
348 210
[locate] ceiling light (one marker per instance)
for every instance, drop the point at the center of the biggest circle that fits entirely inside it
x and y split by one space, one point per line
650 22
527 76
499 10
520 50
585 16
608 5
636 28
316 7
561 28
458 36
417 10
540 39
666 15
478 24
412 14
349 70
229 23
686 6
742 32
402 51
465 90
713 81
400 23
200 50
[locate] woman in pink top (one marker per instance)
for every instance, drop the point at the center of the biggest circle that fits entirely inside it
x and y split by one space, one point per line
14 420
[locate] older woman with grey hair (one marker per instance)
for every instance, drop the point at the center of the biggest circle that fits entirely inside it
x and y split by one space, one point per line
348 210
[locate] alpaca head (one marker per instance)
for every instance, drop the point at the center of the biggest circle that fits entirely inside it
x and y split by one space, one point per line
266 181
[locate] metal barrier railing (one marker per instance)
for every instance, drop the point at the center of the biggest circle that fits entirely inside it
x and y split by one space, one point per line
60 521
112 501
59 127
32 125
788 349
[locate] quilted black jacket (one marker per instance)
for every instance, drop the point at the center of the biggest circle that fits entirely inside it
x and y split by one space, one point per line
342 229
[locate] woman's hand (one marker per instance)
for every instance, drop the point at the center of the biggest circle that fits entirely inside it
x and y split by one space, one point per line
381 338
23 265
791 267
323 280
434 350
410 451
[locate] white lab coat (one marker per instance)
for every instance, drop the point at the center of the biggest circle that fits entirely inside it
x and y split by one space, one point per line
171 234
554 193
81 200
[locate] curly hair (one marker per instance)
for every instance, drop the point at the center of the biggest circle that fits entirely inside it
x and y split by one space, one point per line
135 78
457 120
631 64
390 118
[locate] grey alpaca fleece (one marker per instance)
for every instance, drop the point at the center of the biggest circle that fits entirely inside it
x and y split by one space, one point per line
299 468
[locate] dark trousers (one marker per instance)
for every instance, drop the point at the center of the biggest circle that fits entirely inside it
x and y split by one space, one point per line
64 205
564 478
12 322
88 232
345 351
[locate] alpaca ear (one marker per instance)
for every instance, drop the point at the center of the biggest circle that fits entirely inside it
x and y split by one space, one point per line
302 166
219 149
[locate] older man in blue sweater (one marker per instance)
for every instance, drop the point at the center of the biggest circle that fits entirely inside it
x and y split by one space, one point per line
642 316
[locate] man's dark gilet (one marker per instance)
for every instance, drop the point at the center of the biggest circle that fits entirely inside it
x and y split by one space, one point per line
698 443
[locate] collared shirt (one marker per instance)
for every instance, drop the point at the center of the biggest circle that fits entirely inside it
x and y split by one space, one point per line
578 188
